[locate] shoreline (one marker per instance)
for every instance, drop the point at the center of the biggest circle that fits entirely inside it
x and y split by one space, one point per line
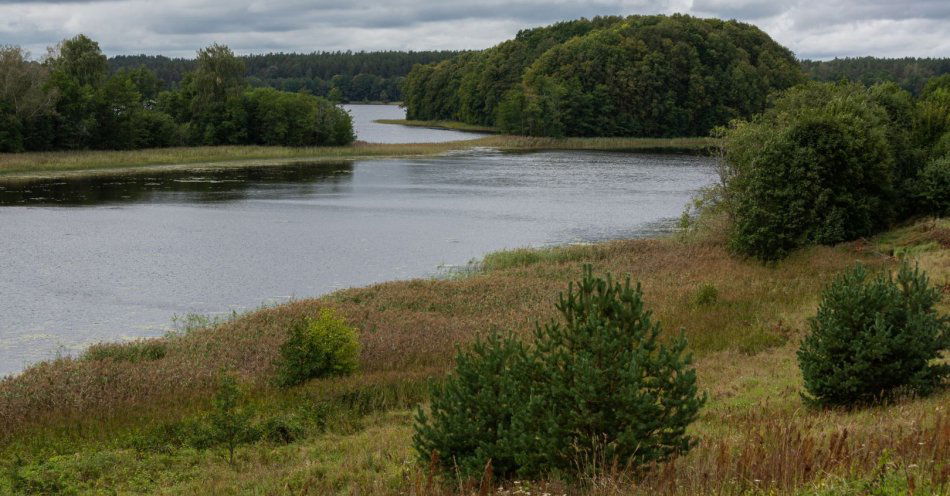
444 125
34 166
138 403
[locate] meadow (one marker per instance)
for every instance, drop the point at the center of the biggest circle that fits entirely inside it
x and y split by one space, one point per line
126 418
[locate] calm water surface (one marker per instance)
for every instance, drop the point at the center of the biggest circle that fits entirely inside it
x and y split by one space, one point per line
116 258
373 132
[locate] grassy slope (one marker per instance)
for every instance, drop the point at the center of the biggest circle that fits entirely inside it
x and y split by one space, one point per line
97 424
28 166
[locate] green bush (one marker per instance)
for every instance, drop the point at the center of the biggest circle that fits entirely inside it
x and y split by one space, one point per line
817 167
597 385
931 188
229 422
137 351
874 336
707 294
469 423
320 347
282 429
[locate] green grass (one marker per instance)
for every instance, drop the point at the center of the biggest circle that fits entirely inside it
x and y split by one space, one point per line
36 165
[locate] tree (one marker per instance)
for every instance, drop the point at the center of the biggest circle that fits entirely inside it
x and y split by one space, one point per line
214 91
230 423
24 100
930 190
873 336
218 76
77 70
469 423
607 387
815 168
598 383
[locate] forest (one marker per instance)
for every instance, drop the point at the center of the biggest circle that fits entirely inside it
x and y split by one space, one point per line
341 76
651 76
910 73
71 101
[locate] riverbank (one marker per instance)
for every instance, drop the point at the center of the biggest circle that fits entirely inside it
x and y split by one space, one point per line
450 125
122 417
46 165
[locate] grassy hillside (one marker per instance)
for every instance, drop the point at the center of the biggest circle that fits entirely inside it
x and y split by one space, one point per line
127 418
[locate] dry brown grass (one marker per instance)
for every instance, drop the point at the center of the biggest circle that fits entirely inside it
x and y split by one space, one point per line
756 436
416 325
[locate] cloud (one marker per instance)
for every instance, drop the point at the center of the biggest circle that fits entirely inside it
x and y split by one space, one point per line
811 28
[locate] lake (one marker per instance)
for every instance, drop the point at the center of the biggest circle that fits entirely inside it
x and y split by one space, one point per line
114 258
372 132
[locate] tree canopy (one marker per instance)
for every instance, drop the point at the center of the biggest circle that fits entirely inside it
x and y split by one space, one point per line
71 101
609 76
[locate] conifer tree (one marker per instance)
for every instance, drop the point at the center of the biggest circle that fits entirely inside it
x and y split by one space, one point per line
607 387
873 336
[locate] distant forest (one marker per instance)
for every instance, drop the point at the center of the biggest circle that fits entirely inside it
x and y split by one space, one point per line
340 76
379 76
909 73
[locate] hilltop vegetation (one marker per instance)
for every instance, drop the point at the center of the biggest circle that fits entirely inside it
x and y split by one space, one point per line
71 102
650 76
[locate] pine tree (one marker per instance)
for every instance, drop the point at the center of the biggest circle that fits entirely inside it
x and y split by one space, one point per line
873 337
597 386
607 389
469 424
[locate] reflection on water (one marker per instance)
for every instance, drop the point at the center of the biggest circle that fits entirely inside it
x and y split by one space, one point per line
113 258
364 117
202 185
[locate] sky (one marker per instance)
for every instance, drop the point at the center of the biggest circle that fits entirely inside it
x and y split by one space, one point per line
813 29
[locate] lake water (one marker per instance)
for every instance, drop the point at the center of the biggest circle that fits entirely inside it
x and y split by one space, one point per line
373 132
116 258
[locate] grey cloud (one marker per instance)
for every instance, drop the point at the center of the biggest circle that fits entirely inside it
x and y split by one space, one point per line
739 9
811 28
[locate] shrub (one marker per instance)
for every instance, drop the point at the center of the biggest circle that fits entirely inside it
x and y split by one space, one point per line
230 424
815 168
707 294
874 336
320 347
282 429
469 424
598 384
931 188
136 351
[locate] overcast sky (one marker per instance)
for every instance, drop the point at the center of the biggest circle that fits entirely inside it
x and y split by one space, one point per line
811 28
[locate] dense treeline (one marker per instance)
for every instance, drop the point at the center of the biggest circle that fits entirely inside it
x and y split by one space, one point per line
70 101
655 76
833 162
342 76
909 73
